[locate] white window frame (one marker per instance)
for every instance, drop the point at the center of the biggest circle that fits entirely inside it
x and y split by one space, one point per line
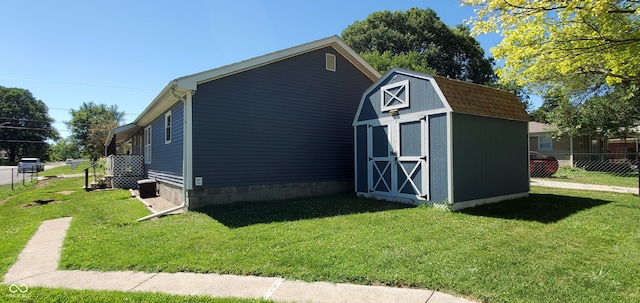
330 62
167 127
387 90
147 144
547 144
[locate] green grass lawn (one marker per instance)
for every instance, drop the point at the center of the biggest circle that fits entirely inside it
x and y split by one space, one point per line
41 294
578 175
555 246
7 190
30 179
67 170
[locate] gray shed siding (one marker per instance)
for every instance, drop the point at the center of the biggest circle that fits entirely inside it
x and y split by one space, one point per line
439 158
167 158
286 122
485 162
418 87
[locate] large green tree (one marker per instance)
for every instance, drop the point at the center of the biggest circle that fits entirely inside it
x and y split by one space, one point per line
583 53
417 39
90 124
64 148
25 124
610 115
568 45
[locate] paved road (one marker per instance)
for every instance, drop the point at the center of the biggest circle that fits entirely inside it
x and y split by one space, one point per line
6 172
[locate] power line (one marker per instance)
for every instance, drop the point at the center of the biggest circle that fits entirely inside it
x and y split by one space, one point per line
22 141
78 84
71 109
46 122
22 127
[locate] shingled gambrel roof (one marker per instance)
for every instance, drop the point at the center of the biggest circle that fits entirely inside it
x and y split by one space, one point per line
476 99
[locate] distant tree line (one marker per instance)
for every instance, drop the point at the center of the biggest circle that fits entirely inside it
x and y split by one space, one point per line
26 129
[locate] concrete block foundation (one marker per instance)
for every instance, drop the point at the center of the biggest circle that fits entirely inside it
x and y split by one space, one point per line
200 197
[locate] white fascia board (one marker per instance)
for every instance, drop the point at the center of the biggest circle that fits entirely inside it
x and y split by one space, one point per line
430 79
126 130
160 103
356 60
402 72
191 82
181 86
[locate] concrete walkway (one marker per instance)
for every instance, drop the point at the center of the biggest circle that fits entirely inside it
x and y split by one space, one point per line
37 265
595 187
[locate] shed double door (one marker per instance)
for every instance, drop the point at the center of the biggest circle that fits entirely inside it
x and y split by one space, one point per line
398 159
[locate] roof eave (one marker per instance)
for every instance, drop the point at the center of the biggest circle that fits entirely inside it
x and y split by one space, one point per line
180 86
122 133
191 82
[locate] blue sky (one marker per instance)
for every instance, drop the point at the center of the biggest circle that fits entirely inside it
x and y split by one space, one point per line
123 53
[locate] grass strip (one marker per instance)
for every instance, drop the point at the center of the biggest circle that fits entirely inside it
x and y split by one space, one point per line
556 245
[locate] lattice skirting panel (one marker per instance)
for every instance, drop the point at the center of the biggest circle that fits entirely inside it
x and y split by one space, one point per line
128 182
125 165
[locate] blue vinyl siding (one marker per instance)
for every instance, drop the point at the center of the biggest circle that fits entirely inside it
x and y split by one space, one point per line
167 158
285 122
418 88
438 157
490 157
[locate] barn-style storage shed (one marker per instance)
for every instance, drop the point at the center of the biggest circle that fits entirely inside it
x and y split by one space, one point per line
428 139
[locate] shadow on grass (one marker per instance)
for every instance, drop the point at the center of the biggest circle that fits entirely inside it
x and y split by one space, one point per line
543 208
248 213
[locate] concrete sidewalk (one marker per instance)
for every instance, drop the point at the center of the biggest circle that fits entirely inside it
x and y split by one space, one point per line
37 265
581 186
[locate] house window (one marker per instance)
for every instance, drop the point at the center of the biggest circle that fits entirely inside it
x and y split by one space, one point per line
147 144
330 62
545 143
167 127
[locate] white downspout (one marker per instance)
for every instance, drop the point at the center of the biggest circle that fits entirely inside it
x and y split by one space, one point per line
186 158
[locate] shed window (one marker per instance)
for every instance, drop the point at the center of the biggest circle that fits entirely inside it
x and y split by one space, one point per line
395 95
147 144
331 62
167 127
545 143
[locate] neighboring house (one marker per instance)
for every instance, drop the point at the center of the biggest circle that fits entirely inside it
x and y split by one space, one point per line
272 127
568 149
428 139
562 148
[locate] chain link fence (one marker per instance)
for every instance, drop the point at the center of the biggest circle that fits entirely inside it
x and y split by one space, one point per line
11 179
614 169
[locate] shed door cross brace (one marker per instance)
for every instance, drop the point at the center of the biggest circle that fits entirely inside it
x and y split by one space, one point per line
397 160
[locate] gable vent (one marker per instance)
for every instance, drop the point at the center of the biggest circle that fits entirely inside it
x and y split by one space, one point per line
330 62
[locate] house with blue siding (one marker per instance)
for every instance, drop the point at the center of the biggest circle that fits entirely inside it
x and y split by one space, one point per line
273 127
423 139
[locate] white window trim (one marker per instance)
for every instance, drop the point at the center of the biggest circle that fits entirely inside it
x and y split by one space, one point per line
147 144
330 62
548 140
168 126
386 90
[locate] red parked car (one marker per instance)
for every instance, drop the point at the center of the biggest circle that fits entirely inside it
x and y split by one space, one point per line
542 165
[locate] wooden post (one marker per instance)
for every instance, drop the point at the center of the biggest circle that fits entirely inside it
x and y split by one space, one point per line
86 179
